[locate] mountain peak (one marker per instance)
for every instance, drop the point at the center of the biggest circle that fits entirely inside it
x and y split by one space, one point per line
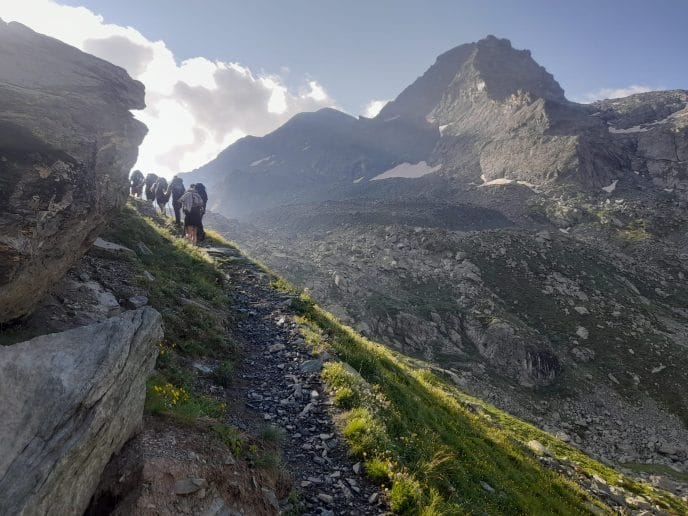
491 67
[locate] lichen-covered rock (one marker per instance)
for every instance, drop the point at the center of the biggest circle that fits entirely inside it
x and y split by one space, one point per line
67 143
69 401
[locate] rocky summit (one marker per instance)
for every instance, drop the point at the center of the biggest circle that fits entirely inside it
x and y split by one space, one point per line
532 247
67 143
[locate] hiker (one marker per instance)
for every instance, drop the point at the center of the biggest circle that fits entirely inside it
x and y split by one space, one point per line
176 190
150 183
192 205
136 183
161 196
200 190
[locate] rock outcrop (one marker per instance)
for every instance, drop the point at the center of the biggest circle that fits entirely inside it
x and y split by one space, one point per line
67 143
69 401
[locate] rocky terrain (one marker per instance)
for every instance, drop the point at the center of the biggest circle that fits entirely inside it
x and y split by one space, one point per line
73 372
532 246
67 143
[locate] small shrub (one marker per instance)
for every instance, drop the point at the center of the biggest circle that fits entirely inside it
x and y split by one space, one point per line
364 433
378 470
224 373
230 436
405 495
273 434
347 398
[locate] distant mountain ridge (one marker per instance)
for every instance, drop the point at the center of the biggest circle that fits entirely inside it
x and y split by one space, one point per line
482 112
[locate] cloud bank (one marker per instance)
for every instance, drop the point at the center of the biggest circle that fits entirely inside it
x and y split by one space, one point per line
195 108
373 107
616 93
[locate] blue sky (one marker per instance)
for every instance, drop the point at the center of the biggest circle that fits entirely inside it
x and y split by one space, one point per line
216 70
372 49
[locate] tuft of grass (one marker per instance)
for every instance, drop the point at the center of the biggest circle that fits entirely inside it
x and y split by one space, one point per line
379 471
185 406
223 373
230 436
273 434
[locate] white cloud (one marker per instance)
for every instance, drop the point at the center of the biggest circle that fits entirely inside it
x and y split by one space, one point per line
194 108
373 107
615 93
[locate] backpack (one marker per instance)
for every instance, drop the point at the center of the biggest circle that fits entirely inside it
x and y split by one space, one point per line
177 188
197 200
137 177
200 190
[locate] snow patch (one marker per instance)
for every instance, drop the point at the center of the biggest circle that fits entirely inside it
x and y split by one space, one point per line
408 171
306 148
259 161
442 129
610 188
391 118
505 181
359 179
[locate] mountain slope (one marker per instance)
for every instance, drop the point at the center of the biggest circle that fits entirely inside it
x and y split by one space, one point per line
437 450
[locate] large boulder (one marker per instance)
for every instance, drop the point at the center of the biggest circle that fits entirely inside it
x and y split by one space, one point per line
67 143
69 401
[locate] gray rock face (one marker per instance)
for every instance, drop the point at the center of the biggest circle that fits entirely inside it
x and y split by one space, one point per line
67 143
71 400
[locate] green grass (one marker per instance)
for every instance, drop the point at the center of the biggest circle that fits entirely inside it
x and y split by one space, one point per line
414 433
191 294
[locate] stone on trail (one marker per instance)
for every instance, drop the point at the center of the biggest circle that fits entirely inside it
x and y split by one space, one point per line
137 301
312 366
69 402
276 347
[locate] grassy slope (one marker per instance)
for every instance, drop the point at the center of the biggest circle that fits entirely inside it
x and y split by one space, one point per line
430 444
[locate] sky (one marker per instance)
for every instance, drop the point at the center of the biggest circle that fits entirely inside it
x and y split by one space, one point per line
216 70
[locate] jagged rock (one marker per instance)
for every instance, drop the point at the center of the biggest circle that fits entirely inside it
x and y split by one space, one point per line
137 301
67 143
108 249
218 508
531 362
538 448
187 486
312 366
487 487
71 400
271 498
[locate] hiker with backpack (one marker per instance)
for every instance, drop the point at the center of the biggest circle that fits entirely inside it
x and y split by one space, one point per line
136 183
200 190
150 181
161 193
192 205
176 191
